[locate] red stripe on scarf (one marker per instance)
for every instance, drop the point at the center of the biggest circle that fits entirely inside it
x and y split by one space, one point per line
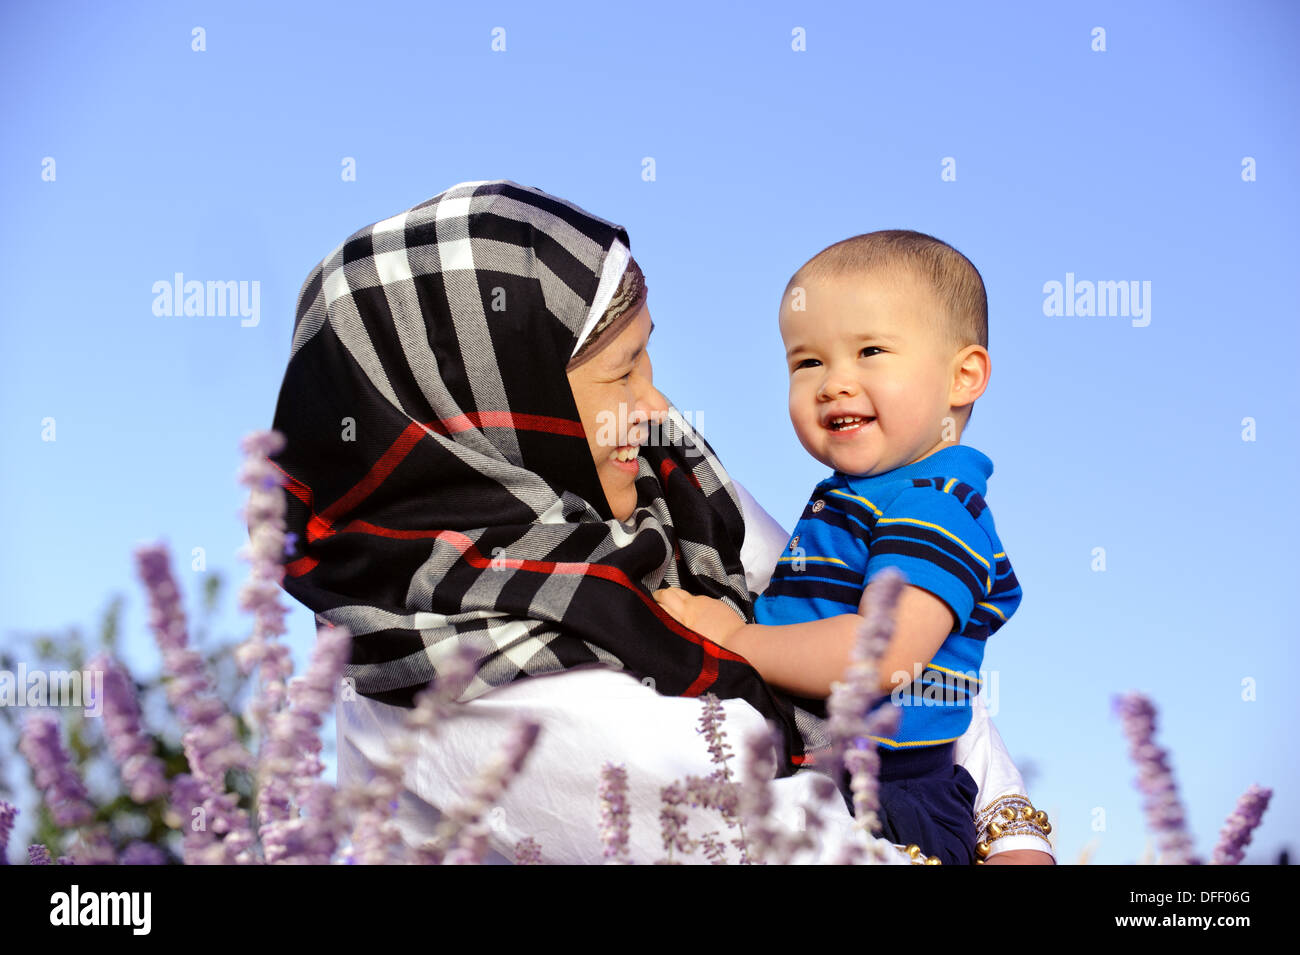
321 525
376 476
668 466
507 419
296 568
712 651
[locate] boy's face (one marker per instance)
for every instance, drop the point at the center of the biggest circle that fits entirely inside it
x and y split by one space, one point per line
865 346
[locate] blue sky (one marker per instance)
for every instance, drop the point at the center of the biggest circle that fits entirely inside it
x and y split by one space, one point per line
1117 165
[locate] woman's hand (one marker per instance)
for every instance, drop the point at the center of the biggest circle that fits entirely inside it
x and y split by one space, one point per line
1020 857
705 615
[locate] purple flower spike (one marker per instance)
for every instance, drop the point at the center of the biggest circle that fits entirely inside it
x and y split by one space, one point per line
467 823
849 707
7 813
209 731
290 762
53 771
1164 810
711 726
38 855
1240 825
265 552
143 853
142 772
528 852
615 822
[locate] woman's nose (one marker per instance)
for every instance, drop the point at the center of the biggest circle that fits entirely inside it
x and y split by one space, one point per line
650 405
655 403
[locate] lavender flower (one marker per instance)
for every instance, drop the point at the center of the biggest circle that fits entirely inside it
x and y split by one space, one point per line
1240 825
700 792
53 772
672 822
375 838
143 853
711 726
756 796
142 772
38 855
466 821
7 813
851 721
188 812
210 742
528 852
862 762
93 847
261 593
614 818
768 840
290 762
1164 810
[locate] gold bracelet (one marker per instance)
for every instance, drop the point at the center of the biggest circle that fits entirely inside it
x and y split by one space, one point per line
917 857
1009 815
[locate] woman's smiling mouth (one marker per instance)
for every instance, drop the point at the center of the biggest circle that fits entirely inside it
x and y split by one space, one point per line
625 458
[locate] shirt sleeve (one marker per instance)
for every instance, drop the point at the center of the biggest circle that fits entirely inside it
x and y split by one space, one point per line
938 546
765 539
983 754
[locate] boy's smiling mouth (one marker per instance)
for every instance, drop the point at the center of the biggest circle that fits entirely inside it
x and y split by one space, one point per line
842 423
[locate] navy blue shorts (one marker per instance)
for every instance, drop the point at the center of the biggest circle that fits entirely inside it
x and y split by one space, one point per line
928 800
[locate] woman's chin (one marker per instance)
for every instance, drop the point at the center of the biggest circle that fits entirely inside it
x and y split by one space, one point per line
622 503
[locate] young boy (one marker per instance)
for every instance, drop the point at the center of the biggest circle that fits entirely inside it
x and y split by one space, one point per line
886 339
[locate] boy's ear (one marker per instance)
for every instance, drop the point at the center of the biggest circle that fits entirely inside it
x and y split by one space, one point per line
970 375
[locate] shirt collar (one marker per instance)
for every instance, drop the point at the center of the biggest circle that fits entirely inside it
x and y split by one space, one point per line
958 460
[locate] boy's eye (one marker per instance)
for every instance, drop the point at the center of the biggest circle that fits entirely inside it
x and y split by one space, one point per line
872 348
806 363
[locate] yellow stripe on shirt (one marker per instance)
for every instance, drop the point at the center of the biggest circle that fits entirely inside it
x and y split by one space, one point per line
854 497
945 533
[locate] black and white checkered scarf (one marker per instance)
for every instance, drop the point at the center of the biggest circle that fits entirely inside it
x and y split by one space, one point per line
440 485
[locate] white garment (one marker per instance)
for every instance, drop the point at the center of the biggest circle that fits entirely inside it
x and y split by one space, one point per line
594 715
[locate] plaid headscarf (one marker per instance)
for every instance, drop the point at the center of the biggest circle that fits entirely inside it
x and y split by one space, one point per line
439 481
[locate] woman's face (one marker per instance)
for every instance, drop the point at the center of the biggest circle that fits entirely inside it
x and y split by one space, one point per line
616 397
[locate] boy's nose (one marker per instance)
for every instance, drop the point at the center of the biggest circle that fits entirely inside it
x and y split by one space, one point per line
835 386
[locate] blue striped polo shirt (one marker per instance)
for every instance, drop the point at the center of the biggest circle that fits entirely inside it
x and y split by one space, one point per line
928 520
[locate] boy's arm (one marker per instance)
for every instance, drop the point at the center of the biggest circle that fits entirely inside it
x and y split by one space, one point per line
806 658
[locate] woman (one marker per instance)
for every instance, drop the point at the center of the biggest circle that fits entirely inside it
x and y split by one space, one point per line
461 480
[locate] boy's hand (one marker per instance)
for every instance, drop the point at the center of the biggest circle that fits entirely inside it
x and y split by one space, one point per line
704 615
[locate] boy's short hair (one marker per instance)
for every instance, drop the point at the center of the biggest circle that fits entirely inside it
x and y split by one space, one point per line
949 274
